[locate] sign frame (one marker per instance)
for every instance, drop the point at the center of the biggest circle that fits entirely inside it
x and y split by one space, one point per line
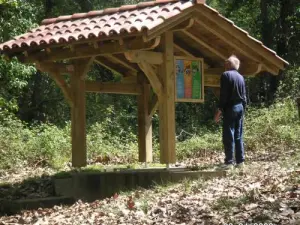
201 62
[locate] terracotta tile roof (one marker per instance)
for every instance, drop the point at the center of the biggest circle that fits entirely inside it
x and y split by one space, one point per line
128 19
96 24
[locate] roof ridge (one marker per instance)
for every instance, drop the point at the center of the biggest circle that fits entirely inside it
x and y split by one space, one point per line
107 11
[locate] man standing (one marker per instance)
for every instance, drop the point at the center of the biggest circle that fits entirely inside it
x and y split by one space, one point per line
232 105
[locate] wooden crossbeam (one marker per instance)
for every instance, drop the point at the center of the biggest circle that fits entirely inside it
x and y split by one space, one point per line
86 51
113 88
144 56
204 44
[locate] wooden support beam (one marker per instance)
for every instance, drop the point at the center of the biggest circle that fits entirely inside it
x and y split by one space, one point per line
206 45
153 106
55 72
167 102
78 112
144 56
144 121
86 51
113 88
152 77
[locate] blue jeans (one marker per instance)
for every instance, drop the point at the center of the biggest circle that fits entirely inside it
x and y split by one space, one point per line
233 134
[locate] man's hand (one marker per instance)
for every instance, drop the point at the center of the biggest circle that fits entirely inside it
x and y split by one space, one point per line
218 116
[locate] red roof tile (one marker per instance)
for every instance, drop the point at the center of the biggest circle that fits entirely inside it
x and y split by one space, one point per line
107 22
130 19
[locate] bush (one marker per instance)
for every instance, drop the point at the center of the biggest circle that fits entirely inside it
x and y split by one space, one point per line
266 129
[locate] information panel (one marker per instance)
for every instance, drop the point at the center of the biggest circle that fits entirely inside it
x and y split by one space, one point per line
189 79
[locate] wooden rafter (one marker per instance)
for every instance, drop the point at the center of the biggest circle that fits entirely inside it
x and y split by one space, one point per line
220 23
191 51
86 51
184 25
122 61
205 44
233 42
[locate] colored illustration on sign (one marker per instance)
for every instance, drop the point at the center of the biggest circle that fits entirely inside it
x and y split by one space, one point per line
179 78
189 79
196 80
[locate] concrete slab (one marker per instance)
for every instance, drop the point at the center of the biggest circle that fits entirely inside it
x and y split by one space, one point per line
94 185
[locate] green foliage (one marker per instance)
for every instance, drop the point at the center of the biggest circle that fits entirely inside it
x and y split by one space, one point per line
290 85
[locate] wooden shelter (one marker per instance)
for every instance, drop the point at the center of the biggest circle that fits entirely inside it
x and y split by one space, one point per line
139 42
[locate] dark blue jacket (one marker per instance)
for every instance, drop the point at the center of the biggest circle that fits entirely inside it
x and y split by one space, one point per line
233 90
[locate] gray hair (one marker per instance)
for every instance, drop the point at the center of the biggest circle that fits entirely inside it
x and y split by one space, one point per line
234 62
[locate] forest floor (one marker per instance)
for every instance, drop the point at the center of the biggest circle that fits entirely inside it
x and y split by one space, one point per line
266 191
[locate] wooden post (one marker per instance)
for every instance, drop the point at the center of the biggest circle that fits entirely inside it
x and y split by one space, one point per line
167 102
144 121
78 112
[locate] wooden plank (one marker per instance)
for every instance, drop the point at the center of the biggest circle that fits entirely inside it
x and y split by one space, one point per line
167 102
87 51
144 121
204 44
113 88
221 23
144 56
78 112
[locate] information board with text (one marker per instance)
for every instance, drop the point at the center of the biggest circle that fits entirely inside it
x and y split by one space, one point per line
189 79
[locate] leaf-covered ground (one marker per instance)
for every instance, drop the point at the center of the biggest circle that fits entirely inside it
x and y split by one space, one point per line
264 192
